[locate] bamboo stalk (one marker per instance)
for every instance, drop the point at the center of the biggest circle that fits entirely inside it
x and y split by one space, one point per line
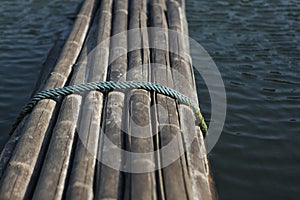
23 162
84 165
184 82
139 127
53 177
168 126
47 67
108 179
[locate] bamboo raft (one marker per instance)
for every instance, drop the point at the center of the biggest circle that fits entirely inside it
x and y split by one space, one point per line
45 158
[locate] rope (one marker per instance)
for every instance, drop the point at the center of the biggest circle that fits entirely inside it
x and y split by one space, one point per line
106 87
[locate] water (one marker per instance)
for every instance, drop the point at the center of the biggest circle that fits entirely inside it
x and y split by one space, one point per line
28 29
254 43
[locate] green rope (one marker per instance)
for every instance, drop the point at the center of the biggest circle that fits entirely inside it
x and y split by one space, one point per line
110 86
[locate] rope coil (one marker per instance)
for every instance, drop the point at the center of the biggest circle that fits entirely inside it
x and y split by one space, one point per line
110 86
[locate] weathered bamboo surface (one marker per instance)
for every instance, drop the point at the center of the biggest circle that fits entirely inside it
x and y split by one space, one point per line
57 151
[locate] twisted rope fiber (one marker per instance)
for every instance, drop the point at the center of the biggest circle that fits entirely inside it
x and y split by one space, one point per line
109 86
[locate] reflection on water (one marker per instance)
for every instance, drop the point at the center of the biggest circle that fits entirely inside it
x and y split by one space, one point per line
28 29
255 44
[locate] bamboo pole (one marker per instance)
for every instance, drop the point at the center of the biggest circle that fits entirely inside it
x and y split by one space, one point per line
184 82
139 123
23 162
108 183
175 187
84 164
53 176
47 68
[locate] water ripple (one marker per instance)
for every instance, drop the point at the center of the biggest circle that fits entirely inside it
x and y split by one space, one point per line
256 47
28 29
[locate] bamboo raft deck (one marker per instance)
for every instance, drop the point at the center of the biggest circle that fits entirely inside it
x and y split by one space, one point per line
45 158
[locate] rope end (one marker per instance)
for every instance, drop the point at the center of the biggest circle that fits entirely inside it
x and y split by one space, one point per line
201 123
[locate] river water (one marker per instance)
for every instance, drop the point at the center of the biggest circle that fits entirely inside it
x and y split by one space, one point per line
255 45
28 29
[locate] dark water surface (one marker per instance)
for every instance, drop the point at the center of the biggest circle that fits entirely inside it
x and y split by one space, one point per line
28 29
255 44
